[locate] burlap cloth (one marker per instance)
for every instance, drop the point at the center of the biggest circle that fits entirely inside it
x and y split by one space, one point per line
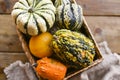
108 69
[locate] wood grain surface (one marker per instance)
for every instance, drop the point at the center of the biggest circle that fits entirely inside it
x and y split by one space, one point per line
90 7
102 27
102 16
6 5
8 38
100 7
7 58
106 29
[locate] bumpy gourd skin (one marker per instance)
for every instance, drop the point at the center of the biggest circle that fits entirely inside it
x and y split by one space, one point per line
33 16
72 48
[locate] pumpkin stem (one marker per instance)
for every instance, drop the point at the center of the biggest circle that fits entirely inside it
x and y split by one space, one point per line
30 10
73 1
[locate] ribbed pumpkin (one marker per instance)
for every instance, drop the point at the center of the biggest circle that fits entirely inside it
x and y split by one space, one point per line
73 48
69 15
34 16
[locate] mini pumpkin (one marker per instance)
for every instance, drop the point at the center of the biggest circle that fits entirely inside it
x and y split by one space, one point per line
34 16
69 14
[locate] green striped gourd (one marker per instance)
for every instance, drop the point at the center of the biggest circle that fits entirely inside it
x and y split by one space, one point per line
73 48
69 15
34 16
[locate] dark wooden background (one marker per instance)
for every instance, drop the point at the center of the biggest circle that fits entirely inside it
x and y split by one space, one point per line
103 18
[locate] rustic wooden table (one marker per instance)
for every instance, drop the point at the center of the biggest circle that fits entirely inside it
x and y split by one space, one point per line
103 18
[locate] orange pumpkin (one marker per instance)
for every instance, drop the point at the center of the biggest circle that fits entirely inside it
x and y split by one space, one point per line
40 45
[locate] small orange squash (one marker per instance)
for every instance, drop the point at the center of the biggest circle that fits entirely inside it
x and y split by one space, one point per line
51 69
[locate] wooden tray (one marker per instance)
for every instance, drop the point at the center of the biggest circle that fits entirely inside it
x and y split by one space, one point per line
84 29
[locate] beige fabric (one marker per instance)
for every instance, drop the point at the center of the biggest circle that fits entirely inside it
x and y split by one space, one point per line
19 71
108 69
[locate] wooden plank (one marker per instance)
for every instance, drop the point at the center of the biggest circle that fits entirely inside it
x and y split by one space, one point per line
103 28
90 7
6 5
7 58
100 7
106 29
8 36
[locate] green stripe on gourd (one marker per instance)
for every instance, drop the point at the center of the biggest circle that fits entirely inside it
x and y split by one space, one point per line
34 16
69 15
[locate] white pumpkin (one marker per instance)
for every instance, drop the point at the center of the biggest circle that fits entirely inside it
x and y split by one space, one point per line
33 16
